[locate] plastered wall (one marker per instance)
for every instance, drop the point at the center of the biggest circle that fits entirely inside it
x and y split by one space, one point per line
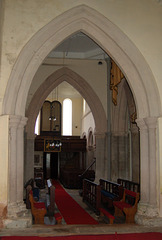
4 141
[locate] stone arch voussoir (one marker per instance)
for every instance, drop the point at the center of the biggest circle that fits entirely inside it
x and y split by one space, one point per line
107 35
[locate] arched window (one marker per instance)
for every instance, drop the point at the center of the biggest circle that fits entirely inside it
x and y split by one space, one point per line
90 139
84 106
37 125
51 117
67 117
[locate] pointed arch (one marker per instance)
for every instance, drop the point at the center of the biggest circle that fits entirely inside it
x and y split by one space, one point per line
66 74
105 34
127 56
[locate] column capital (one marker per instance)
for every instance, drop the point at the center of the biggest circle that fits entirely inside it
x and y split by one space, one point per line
17 121
23 122
145 123
119 133
151 122
14 120
141 124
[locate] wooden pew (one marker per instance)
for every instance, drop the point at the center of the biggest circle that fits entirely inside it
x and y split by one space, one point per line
127 205
92 195
130 185
28 189
38 209
110 191
35 194
104 212
50 198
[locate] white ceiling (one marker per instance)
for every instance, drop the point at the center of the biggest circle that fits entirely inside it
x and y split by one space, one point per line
78 46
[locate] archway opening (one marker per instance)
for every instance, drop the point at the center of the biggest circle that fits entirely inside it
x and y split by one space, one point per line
120 113
124 52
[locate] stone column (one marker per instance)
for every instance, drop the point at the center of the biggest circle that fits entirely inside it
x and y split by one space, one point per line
17 214
20 161
114 156
12 199
29 157
152 124
147 208
16 161
144 162
100 156
123 159
135 153
160 163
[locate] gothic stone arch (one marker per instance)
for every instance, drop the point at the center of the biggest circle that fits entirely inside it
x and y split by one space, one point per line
107 35
128 58
65 74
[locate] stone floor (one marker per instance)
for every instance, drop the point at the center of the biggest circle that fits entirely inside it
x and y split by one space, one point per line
60 230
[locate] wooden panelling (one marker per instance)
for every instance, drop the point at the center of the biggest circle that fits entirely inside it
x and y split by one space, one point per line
69 144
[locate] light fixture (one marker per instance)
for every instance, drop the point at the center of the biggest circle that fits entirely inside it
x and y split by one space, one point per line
52 117
53 107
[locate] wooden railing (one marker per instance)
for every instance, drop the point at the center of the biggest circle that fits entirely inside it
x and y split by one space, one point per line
110 191
130 185
84 173
92 194
88 174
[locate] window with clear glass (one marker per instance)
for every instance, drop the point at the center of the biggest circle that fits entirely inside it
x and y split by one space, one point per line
67 117
37 125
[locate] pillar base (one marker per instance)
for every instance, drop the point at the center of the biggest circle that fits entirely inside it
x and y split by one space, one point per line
17 216
19 222
148 215
16 210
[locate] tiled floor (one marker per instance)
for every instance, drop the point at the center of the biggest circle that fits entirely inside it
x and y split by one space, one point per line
59 230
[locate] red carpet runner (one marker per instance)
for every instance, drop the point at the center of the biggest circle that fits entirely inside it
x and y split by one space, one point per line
131 236
71 211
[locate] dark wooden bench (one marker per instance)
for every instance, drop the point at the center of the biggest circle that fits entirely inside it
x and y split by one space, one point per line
110 191
130 185
30 186
127 205
92 195
104 212
50 198
39 178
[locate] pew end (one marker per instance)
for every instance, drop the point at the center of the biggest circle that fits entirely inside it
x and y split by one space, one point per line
127 206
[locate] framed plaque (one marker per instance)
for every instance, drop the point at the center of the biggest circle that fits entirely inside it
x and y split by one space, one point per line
52 145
